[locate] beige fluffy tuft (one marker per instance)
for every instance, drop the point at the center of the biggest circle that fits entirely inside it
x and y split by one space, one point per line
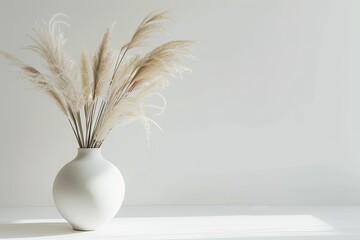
102 65
98 96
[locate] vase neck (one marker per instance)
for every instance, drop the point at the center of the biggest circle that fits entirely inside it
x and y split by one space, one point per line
84 152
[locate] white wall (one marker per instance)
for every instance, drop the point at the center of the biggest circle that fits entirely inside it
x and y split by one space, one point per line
270 114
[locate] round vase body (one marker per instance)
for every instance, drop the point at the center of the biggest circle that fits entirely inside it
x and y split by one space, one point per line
89 190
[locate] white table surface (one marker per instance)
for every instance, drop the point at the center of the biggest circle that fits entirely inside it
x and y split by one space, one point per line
192 222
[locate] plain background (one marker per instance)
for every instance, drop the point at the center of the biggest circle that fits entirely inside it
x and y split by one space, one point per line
269 115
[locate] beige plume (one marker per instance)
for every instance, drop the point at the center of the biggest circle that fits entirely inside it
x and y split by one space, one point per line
98 96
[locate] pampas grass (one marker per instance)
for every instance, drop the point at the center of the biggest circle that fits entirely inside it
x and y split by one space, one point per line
109 88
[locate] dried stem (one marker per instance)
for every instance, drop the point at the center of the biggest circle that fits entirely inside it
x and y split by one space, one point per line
111 92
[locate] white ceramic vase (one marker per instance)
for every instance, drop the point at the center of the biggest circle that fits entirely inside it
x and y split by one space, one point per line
89 190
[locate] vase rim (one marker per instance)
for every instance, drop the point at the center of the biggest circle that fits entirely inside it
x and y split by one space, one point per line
89 148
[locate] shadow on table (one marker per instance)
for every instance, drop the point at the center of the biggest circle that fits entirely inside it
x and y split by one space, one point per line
28 230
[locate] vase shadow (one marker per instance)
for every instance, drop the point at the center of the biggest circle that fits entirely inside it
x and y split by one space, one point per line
28 230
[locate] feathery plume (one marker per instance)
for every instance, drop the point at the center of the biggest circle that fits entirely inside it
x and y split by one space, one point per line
101 65
147 28
99 96
85 77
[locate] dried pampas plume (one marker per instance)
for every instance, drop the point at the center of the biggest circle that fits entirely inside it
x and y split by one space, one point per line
109 88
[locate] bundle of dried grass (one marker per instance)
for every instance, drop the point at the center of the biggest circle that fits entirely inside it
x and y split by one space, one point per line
112 90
